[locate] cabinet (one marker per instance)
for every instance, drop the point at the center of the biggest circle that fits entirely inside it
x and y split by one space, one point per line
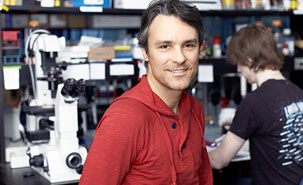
228 14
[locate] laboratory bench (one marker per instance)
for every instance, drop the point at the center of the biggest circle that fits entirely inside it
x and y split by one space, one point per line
22 176
236 173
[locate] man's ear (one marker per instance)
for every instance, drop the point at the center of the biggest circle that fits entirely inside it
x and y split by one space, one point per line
249 62
145 55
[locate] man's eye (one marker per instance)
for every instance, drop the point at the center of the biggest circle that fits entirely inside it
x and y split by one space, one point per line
164 46
190 45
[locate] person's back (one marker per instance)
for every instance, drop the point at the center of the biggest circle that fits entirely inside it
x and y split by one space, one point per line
274 130
271 117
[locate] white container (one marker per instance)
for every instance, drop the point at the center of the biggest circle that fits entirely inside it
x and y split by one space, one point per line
217 52
47 3
131 4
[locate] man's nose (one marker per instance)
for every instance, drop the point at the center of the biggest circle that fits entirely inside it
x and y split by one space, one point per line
179 55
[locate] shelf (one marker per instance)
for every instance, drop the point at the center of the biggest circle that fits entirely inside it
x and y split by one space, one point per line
113 11
221 66
68 10
244 12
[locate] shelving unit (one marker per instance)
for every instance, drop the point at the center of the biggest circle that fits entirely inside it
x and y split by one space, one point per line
2 139
111 11
28 9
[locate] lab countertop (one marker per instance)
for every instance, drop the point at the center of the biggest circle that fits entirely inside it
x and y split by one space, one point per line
28 176
21 176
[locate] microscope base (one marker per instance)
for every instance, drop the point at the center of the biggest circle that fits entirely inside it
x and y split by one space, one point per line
55 169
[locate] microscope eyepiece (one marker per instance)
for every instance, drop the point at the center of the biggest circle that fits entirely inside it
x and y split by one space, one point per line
73 88
68 87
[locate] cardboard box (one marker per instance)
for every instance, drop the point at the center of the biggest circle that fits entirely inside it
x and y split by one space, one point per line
115 21
76 21
41 18
20 21
101 53
57 21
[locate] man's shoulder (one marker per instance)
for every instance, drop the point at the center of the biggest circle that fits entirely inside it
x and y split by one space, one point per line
127 112
128 105
194 102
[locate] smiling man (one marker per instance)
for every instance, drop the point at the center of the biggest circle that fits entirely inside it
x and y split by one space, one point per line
154 133
173 52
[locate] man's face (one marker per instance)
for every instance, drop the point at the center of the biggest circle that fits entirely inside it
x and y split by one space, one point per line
173 54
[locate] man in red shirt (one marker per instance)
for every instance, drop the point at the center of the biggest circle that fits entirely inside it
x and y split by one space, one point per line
154 133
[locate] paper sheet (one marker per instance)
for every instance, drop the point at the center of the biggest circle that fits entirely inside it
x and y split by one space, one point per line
206 73
11 77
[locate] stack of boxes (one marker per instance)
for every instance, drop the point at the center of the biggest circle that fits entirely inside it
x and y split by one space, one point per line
11 47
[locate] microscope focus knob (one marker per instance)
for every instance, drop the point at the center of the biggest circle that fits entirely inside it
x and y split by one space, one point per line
74 160
79 169
37 161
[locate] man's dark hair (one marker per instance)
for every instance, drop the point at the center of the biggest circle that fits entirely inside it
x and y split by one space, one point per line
258 44
177 8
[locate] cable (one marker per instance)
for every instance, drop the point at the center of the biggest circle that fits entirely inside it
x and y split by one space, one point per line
26 47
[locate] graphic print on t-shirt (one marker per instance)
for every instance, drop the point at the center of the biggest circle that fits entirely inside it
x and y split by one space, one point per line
291 151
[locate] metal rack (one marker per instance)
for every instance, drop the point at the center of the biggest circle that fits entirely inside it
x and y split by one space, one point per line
114 11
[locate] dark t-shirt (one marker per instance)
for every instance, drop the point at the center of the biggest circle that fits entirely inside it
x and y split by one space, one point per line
271 117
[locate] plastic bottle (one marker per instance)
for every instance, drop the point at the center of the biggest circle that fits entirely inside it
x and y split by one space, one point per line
242 4
57 3
299 5
228 4
217 52
293 4
287 5
256 4
266 4
208 46
285 50
289 40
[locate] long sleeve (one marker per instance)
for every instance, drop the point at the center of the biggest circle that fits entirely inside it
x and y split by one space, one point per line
205 171
112 152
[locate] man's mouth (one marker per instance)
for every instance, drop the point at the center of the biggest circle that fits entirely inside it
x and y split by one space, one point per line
178 71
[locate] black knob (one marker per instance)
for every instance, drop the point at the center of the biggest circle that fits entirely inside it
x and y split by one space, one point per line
79 169
74 160
37 160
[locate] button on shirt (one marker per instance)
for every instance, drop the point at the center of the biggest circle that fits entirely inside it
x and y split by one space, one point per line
174 125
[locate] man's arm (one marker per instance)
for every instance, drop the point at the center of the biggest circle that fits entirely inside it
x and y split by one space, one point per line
226 151
205 171
115 145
